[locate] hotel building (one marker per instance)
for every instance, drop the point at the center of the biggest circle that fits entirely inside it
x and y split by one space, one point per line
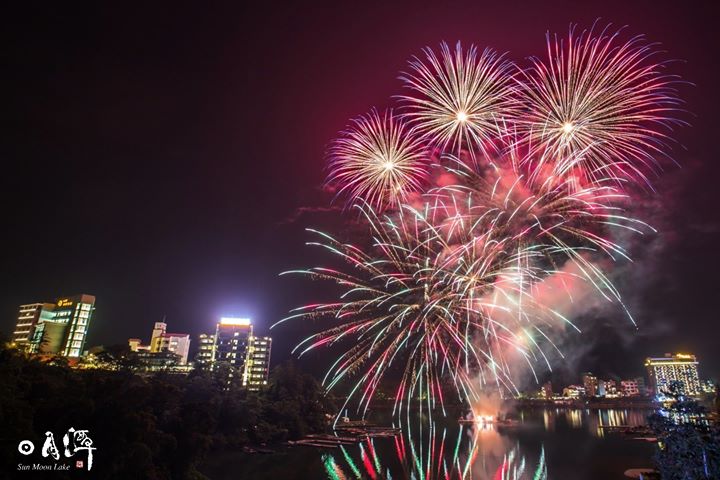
680 368
257 365
58 328
235 345
163 342
204 357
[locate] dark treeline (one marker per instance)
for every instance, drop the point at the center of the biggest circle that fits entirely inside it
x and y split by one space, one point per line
689 439
153 427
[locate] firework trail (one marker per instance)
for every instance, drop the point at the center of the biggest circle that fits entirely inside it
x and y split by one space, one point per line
377 159
597 108
494 187
546 215
459 99
420 295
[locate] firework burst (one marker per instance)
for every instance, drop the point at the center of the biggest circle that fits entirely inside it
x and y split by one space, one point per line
429 297
547 215
598 108
492 189
378 159
459 99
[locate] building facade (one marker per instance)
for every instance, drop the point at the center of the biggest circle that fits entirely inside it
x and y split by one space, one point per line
590 382
234 345
58 328
206 350
163 342
629 388
679 368
257 365
29 317
232 339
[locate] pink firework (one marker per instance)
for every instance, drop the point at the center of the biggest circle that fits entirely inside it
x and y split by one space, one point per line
459 99
378 160
599 108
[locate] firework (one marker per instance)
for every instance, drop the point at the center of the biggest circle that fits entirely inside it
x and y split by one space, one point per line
459 99
423 295
493 191
377 159
544 214
598 108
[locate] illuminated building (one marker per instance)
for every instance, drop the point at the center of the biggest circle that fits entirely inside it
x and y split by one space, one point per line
574 391
590 382
75 313
29 317
235 345
601 389
546 390
611 388
204 357
232 339
55 329
679 368
629 388
708 386
257 364
162 342
137 346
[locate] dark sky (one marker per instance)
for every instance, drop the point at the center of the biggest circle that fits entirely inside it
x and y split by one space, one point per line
157 156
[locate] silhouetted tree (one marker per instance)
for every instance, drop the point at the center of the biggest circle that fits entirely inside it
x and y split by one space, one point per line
689 445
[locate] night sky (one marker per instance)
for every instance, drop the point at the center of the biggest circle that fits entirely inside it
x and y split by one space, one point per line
167 158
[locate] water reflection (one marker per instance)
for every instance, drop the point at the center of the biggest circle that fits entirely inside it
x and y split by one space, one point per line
476 452
598 422
492 451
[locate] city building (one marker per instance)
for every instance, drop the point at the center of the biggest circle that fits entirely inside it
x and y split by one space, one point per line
232 339
206 347
680 368
708 386
546 390
629 388
590 382
136 345
574 391
611 389
162 342
642 388
29 317
257 364
234 345
58 328
601 389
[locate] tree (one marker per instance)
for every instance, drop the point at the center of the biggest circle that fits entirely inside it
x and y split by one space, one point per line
688 443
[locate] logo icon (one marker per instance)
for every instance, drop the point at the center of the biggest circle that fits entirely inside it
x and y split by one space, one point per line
74 441
26 447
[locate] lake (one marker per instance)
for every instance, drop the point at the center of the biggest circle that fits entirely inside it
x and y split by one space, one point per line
559 444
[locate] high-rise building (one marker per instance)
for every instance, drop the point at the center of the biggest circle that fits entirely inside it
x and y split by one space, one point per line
75 312
590 382
57 329
29 317
257 364
163 342
206 347
234 345
232 339
680 368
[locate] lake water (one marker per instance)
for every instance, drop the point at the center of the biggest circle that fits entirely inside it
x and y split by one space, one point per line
558 444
